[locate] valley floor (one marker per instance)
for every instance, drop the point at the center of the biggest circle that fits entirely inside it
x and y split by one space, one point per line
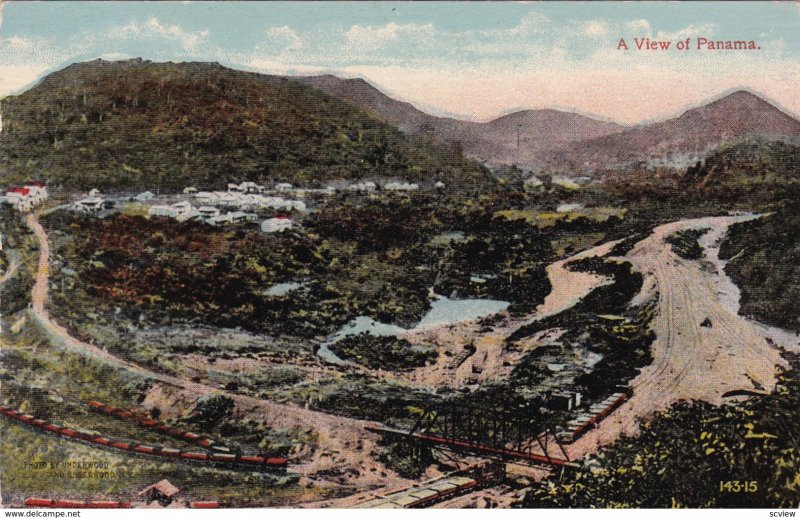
703 350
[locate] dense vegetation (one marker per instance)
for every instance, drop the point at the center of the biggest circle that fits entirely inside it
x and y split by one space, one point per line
748 166
695 455
163 126
351 257
765 263
382 352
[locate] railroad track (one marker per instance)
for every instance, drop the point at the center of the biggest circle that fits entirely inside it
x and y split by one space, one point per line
227 460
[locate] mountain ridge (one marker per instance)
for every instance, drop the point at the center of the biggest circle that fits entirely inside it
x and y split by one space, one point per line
544 139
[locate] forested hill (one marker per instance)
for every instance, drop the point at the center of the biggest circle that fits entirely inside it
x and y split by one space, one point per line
143 125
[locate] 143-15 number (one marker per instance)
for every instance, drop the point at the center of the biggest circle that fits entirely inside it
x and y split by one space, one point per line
738 486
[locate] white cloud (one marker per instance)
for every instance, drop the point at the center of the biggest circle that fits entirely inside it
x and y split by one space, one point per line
154 28
376 36
640 25
286 37
595 28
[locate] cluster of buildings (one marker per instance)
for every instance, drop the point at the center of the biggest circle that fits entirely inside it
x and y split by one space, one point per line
185 211
26 197
236 205
367 186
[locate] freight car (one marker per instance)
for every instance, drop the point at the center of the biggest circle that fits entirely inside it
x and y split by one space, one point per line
227 460
158 426
597 412
77 504
422 496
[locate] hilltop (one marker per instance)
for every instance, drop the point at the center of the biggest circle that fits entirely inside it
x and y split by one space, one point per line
140 124
680 141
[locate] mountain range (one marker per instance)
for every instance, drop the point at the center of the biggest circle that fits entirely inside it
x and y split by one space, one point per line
563 141
135 123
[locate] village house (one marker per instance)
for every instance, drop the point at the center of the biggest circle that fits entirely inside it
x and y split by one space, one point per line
250 188
94 192
19 198
220 220
190 190
162 491
89 204
207 211
38 191
283 187
182 207
205 197
228 199
26 197
144 196
162 210
278 224
192 214
400 186
363 186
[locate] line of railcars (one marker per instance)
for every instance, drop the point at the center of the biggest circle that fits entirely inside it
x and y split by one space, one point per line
226 459
158 426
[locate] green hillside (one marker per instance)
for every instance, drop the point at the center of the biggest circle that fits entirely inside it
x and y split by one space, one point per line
753 168
138 124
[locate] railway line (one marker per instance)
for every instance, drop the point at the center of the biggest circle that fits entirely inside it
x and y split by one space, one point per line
158 426
227 460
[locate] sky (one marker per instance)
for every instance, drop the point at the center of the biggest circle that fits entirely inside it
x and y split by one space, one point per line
470 60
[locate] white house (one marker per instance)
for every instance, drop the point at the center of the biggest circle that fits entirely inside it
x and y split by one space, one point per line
20 198
219 220
400 186
94 192
38 191
89 204
234 187
144 196
228 199
162 210
278 224
192 214
205 197
182 207
283 187
207 211
362 186
250 188
439 185
190 190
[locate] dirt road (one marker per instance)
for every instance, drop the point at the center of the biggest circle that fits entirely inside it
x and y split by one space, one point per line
702 347
343 444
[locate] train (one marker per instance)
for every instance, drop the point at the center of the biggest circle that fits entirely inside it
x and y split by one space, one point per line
77 504
597 412
152 424
422 496
237 460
